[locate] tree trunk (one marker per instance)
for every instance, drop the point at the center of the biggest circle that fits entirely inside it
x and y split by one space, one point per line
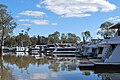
2 41
84 40
1 52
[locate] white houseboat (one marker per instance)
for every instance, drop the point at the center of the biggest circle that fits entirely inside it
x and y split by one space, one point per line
65 50
22 49
49 48
111 51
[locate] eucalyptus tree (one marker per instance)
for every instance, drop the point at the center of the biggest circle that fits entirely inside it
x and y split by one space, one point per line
56 36
63 38
86 35
38 40
7 24
50 39
23 40
44 40
104 31
41 40
33 41
27 30
72 38
10 41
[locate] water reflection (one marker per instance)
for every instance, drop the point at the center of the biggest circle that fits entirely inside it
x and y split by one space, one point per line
110 76
54 65
5 72
14 67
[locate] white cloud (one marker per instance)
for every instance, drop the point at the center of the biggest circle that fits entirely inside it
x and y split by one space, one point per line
115 19
27 25
17 16
38 5
24 20
54 24
77 8
40 22
33 13
30 22
20 29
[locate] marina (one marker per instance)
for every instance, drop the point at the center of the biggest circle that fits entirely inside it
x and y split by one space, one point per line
59 40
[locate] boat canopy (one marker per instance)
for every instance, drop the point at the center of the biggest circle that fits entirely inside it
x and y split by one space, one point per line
115 26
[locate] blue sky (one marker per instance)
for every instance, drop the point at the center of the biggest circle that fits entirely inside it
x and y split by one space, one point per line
66 16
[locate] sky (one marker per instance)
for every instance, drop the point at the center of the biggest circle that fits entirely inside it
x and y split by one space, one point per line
44 17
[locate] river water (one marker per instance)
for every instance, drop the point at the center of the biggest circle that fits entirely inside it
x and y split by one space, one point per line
14 67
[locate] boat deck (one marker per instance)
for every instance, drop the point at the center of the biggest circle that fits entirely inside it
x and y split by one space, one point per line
98 65
85 64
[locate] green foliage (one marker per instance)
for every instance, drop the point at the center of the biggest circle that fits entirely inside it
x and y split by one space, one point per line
33 41
72 38
6 24
10 41
24 39
87 73
105 31
57 38
86 35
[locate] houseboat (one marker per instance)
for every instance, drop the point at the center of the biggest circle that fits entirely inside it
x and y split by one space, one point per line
90 50
65 50
111 51
49 48
21 49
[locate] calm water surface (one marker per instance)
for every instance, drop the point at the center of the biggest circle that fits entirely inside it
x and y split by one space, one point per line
14 67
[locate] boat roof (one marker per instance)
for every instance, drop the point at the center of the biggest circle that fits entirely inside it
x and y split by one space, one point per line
112 40
115 26
93 46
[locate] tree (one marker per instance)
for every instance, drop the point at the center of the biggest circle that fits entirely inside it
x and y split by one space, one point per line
72 38
63 38
33 41
56 36
10 41
104 31
6 24
50 39
23 40
86 35
27 30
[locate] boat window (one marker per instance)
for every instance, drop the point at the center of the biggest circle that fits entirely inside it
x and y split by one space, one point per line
65 56
61 45
113 46
94 49
118 32
50 45
100 50
66 49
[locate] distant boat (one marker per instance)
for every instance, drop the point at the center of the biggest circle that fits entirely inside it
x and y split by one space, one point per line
49 48
21 49
65 50
22 54
37 49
